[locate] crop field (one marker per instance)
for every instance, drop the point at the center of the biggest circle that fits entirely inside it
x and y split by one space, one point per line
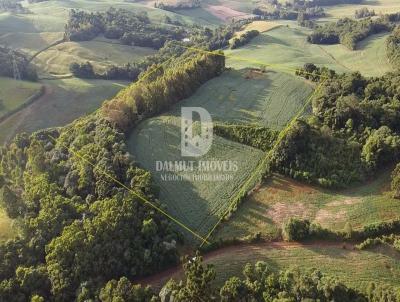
197 203
249 96
244 96
281 198
101 53
64 101
286 47
13 93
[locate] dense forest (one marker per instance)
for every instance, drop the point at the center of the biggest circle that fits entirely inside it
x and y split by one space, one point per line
349 32
178 5
352 132
130 28
15 64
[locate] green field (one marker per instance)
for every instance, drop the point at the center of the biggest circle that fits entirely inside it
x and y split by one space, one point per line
64 101
252 97
196 203
380 6
281 198
286 48
101 53
242 96
13 94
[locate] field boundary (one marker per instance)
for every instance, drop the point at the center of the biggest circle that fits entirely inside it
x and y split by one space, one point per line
257 174
29 101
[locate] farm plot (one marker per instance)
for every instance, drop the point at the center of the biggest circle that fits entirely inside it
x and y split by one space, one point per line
14 94
195 200
252 97
245 96
281 198
286 48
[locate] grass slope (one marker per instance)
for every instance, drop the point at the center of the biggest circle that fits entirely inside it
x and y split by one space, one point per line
286 48
13 93
246 96
64 101
101 53
280 198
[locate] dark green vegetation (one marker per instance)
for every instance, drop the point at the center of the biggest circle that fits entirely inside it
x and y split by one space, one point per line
258 283
78 228
128 27
255 136
15 64
393 48
244 38
178 5
355 118
349 32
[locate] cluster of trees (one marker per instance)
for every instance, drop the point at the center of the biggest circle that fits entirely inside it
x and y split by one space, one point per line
261 283
364 13
128 27
162 87
78 228
393 48
349 32
352 132
12 61
389 240
12 6
255 136
305 10
244 38
178 5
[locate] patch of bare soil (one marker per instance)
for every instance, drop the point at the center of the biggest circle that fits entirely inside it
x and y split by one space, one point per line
324 216
254 74
226 13
280 212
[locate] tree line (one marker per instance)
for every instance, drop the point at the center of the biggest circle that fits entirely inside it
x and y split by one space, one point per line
349 32
393 48
244 38
178 5
12 6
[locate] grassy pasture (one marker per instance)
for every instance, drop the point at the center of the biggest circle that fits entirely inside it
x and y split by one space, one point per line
196 203
13 93
380 6
286 48
101 53
247 96
64 101
280 198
